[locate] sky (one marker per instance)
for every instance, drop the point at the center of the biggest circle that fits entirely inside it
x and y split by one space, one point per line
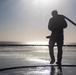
27 20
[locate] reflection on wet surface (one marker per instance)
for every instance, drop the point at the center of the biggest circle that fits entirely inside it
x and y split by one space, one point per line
15 57
47 70
32 71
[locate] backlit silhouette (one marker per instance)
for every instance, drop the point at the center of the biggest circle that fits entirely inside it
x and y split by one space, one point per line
56 25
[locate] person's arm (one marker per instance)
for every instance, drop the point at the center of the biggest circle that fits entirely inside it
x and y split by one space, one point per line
48 36
70 20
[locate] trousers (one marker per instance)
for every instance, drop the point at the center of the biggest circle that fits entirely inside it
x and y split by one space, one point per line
59 42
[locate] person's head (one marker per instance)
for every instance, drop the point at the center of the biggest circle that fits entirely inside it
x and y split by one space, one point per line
54 13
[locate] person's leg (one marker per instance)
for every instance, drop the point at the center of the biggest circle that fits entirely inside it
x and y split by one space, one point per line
59 54
51 51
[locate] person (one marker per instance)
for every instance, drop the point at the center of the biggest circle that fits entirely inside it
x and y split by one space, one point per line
56 25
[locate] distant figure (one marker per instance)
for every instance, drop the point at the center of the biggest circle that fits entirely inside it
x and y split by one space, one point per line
56 25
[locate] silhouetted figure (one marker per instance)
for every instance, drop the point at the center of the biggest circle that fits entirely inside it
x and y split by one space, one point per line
56 25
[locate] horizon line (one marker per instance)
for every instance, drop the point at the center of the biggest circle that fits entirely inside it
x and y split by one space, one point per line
16 43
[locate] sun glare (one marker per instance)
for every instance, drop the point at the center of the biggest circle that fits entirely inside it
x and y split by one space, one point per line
46 1
38 42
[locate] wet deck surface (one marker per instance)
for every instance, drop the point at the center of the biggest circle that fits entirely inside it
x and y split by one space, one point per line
15 64
33 63
40 71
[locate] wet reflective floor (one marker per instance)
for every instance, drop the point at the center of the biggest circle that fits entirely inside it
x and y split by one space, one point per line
40 71
35 63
